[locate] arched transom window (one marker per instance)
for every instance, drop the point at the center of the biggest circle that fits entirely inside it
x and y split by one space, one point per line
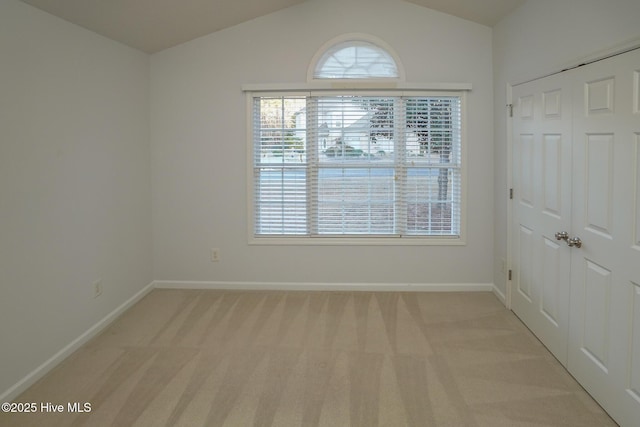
355 57
356 60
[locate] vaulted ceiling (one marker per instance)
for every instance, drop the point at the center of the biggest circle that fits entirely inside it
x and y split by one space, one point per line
154 25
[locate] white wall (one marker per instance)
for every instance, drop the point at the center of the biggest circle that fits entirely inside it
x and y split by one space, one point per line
75 197
198 122
540 37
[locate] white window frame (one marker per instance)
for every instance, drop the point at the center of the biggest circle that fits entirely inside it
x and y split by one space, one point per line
361 89
355 40
371 86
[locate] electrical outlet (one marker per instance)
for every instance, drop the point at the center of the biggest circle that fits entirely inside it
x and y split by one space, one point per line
97 288
215 255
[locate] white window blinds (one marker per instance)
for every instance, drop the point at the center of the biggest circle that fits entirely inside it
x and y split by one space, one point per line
354 165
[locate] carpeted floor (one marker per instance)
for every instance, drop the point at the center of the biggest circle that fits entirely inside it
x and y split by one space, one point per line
248 358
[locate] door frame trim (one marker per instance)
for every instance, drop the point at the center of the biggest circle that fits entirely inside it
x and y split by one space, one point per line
599 55
509 128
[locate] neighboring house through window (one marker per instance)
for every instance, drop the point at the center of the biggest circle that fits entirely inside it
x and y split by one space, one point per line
356 154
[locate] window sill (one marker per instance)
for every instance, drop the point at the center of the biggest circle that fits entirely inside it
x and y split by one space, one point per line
358 241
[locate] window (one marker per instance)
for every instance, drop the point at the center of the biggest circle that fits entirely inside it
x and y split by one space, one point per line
355 59
357 165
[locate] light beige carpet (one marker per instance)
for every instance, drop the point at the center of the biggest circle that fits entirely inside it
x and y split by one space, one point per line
246 358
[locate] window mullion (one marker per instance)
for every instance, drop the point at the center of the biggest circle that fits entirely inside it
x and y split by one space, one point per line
255 161
400 157
312 150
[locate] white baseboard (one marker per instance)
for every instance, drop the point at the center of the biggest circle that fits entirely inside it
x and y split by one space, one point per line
296 286
499 294
54 360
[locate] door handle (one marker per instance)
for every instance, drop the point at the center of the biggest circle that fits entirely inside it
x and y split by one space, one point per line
574 241
571 241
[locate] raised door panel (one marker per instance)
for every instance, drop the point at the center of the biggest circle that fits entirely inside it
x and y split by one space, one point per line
524 278
552 177
633 374
526 163
596 314
600 96
551 287
599 183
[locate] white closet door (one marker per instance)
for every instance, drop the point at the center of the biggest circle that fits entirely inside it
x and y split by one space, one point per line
541 164
604 336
